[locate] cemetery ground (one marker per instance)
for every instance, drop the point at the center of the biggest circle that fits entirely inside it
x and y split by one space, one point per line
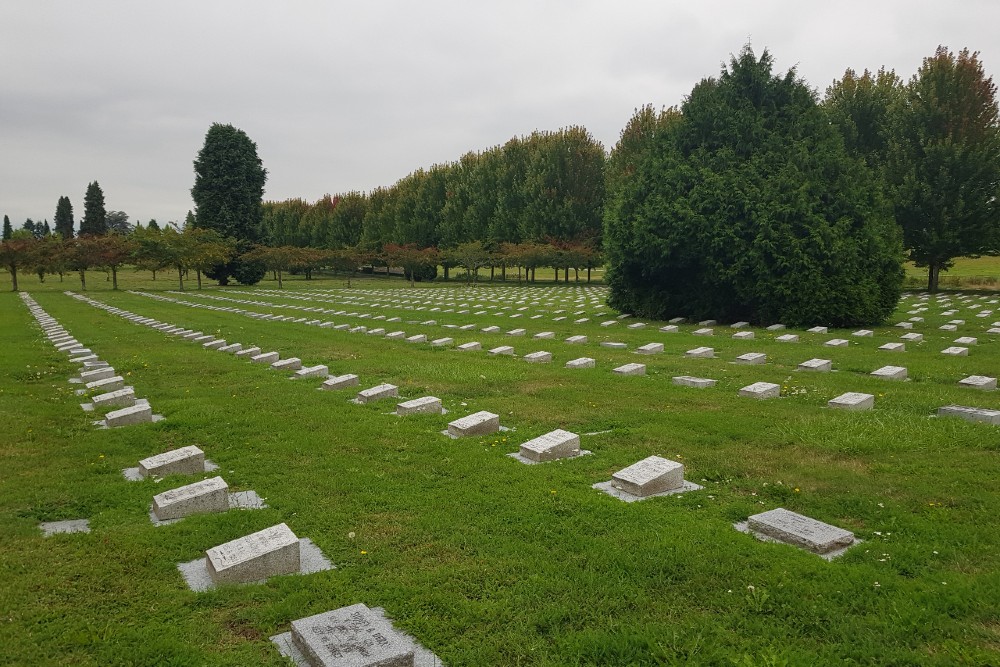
483 560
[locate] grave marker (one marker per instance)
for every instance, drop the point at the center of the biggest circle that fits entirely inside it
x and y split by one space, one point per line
351 636
139 413
853 401
761 390
801 531
377 392
698 383
557 444
478 423
650 348
818 365
751 359
700 353
582 362
538 357
890 373
340 382
649 476
255 557
424 405
982 382
630 369
188 460
204 497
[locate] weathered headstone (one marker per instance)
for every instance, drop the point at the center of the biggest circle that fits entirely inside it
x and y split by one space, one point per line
318 371
133 414
751 359
290 364
204 497
97 374
837 342
614 345
890 373
630 369
650 348
700 353
893 347
801 531
540 357
863 333
576 340
982 382
649 476
557 444
188 460
982 415
255 557
744 335
698 383
469 347
121 398
419 338
818 330
377 392
248 352
341 382
788 338
703 332
478 423
912 337
351 636
423 405
761 390
502 350
265 358
582 362
818 365
853 401
670 328
966 340
232 348
956 351
776 327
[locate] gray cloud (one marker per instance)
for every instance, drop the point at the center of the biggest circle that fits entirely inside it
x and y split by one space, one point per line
342 96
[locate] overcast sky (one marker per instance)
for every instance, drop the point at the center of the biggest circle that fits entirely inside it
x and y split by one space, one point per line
341 96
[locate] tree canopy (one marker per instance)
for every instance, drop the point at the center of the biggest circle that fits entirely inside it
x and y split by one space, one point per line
229 184
749 207
94 222
64 218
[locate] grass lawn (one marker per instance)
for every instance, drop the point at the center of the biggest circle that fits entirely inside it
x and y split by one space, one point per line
484 560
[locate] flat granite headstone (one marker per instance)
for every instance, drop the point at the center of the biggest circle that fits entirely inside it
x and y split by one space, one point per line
649 476
248 352
557 444
670 328
217 344
232 348
703 332
576 340
442 342
502 350
134 414
677 320
630 369
956 351
700 353
544 335
340 382
966 340
377 392
890 373
319 371
893 347
948 327
265 358
614 345
478 423
119 398
50 528
818 330
423 405
837 342
698 383
492 329
800 531
204 497
540 357
582 362
788 338
290 364
761 390
912 337
863 333
516 332
751 359
776 327
739 325
853 401
255 557
982 382
419 338
469 347
353 636
650 348
981 415
188 460
817 365
97 374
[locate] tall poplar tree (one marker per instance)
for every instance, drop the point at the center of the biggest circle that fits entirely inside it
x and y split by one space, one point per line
8 230
94 221
64 218
945 163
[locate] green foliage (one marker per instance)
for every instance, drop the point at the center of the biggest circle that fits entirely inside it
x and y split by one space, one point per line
229 184
64 218
863 109
945 162
749 208
117 223
94 222
8 231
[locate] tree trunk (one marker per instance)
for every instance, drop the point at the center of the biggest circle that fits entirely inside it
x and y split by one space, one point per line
83 279
446 272
13 276
576 273
180 277
588 274
518 274
60 276
198 272
278 272
493 272
154 276
114 277
503 272
565 274
933 275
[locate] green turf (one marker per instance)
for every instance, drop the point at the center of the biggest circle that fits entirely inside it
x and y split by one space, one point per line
484 560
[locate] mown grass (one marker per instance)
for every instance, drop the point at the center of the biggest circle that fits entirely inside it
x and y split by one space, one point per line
486 561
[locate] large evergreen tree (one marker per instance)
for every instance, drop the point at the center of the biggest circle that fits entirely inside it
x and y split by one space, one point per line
945 163
8 230
229 184
64 218
94 222
748 207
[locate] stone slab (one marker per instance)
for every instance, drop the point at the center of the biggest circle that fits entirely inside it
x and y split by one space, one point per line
478 423
232 348
376 393
890 373
544 335
703 332
863 333
340 382
119 398
424 405
198 578
576 340
787 338
506 350
979 415
265 358
442 342
751 359
97 374
540 357
214 344
650 348
630 369
761 390
853 400
670 328
582 362
744 335
956 351
351 636
50 528
189 460
837 342
800 531
290 364
105 385
127 416
614 345
419 338
653 474
255 557
700 353
776 327
698 383
893 347
557 444
318 371
912 337
248 352
203 497
816 365
966 340
469 347
982 382
818 330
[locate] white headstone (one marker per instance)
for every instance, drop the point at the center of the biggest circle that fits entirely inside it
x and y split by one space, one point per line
761 390
442 342
956 351
853 401
630 369
893 347
751 358
265 358
419 338
912 337
340 382
979 382
818 330
863 333
377 392
469 347
700 353
890 373
319 371
837 342
351 636
206 496
819 365
788 338
290 364
983 415
119 398
538 357
670 328
502 350
188 460
478 423
255 557
576 340
582 362
554 445
704 332
649 476
133 414
744 335
688 381
423 405
800 531
650 348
